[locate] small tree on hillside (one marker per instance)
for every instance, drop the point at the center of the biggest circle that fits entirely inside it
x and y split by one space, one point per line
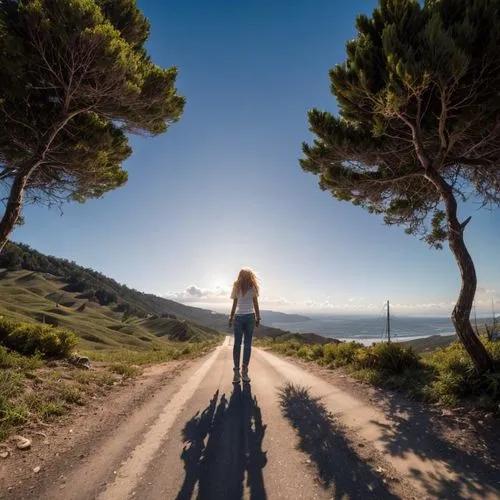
418 127
75 78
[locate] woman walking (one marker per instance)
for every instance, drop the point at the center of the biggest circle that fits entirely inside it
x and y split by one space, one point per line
244 316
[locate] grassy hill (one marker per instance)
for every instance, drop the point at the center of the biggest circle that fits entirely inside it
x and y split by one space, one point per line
429 344
104 313
109 309
27 295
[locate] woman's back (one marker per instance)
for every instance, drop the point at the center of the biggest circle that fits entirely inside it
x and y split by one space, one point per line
244 303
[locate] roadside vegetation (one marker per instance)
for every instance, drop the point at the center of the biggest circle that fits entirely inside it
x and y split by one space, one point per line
176 350
49 308
445 376
38 383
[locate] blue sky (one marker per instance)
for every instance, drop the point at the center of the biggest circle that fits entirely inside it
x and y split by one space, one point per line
223 188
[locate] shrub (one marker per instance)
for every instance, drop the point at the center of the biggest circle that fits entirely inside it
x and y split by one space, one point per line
303 352
446 388
345 353
11 385
32 338
493 346
294 345
70 394
125 370
455 376
329 353
452 358
186 350
6 326
444 376
316 352
44 405
390 358
369 375
14 360
489 385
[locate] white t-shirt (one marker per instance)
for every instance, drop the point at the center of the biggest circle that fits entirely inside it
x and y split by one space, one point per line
245 302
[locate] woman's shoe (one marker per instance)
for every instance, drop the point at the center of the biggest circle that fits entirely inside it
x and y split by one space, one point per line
236 377
245 376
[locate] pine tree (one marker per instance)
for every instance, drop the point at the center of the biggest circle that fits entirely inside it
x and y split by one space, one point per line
75 80
417 129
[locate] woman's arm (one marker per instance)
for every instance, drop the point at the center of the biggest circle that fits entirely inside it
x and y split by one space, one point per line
257 312
233 310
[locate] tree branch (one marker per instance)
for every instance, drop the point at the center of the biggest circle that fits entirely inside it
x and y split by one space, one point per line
465 222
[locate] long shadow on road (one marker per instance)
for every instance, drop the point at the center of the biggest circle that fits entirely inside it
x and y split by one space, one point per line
222 443
338 465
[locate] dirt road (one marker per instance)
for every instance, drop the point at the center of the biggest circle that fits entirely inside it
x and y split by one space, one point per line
289 434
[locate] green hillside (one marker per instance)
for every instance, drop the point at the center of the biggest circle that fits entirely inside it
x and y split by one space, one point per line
429 344
28 295
109 306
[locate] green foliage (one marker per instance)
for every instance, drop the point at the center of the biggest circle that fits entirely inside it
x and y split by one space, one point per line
384 358
9 359
105 298
316 352
417 90
173 351
444 376
124 369
75 80
32 338
11 412
339 354
44 405
417 126
34 390
391 358
303 352
86 378
451 359
345 353
455 377
70 394
370 376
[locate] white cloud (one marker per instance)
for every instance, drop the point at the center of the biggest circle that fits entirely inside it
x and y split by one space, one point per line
195 294
356 299
218 298
268 301
194 291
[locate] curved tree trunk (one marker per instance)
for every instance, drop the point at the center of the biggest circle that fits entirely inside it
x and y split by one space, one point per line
461 312
15 201
24 171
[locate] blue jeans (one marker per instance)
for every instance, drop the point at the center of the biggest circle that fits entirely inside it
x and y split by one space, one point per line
243 330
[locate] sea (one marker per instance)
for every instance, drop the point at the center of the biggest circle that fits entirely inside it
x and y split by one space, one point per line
368 329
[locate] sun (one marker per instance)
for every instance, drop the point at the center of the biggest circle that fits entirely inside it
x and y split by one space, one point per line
220 281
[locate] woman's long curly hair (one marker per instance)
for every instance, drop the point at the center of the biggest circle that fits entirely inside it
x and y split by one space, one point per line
247 279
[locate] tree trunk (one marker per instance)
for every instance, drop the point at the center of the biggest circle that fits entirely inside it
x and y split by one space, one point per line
15 201
461 312
24 171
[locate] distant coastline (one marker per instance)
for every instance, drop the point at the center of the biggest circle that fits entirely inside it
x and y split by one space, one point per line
369 329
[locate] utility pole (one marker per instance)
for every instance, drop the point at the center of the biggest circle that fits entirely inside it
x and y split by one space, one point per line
388 324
